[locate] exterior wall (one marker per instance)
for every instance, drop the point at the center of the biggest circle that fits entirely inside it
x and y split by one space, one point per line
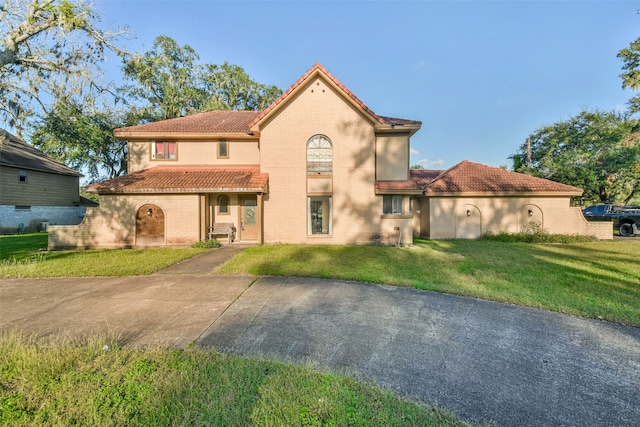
113 224
392 157
13 220
194 153
356 210
454 217
41 188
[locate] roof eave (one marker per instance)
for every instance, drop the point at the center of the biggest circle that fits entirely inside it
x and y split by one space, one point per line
129 135
504 194
409 128
168 190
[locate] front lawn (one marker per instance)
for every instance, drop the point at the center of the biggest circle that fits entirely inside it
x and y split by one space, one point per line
598 280
23 256
72 383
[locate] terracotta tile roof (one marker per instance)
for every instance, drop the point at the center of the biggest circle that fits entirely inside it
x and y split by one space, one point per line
397 187
210 122
16 153
470 177
186 179
424 176
319 68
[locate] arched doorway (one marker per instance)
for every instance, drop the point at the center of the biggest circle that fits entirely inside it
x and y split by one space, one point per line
468 222
530 219
150 225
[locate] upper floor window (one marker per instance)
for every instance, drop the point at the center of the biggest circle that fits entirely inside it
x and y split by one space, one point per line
319 156
223 149
23 176
163 150
392 205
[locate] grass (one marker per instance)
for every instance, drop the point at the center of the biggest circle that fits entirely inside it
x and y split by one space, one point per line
17 259
62 382
599 280
20 246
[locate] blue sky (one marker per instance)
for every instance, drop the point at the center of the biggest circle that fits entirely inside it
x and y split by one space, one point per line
480 75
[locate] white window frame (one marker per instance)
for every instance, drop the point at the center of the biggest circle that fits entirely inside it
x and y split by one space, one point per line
154 156
319 156
396 205
326 223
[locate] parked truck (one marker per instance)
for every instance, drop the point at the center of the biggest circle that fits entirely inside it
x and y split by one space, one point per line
625 218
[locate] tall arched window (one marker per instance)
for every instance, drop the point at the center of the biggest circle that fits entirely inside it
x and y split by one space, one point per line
319 156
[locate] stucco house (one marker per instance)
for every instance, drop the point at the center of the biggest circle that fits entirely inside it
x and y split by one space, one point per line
36 190
317 166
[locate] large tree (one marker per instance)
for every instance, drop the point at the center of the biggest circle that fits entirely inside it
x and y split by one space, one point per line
169 81
598 151
81 136
48 48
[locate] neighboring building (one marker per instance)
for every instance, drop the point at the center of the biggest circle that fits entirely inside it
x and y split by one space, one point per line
35 190
317 166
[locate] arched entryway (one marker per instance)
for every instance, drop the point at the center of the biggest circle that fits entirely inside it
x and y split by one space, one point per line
468 222
150 225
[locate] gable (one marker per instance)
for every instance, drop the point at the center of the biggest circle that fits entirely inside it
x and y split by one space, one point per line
14 152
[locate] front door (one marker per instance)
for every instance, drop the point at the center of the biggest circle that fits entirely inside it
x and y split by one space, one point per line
248 218
150 225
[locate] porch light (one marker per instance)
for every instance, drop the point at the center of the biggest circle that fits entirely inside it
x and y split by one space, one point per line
468 212
149 211
530 213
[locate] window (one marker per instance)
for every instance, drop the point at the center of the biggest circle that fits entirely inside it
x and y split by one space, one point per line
163 150
392 205
23 176
319 219
23 208
319 155
223 205
223 149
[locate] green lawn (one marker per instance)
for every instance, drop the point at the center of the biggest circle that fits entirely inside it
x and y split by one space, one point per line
595 280
19 257
71 383
21 246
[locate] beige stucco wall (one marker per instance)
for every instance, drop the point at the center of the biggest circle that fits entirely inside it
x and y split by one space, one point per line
194 153
113 223
318 109
468 217
392 157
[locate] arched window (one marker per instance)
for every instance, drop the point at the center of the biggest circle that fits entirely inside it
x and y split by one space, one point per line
223 204
319 156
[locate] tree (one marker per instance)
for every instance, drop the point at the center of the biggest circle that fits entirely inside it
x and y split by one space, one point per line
170 82
417 167
167 78
597 151
44 46
82 137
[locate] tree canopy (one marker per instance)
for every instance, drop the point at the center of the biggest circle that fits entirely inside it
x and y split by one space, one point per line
48 49
170 82
598 151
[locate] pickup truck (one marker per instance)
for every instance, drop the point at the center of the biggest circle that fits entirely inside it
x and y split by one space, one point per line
625 218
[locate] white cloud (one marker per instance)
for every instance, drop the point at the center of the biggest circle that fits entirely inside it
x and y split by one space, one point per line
429 164
413 151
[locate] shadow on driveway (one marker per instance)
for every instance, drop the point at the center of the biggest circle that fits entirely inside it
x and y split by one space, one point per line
485 361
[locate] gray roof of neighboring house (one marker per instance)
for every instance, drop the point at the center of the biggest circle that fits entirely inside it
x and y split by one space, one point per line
16 153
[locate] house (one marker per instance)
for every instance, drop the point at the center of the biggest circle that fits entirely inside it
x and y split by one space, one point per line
471 199
35 190
317 166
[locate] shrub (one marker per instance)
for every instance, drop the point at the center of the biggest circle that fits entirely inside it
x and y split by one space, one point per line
209 243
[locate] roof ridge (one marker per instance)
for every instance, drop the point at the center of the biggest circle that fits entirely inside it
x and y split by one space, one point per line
315 68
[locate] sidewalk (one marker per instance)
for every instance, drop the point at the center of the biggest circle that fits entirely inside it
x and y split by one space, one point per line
206 262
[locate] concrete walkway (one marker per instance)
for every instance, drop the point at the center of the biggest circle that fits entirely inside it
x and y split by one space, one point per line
485 361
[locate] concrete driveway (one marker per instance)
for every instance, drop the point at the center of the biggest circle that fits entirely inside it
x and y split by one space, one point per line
485 361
